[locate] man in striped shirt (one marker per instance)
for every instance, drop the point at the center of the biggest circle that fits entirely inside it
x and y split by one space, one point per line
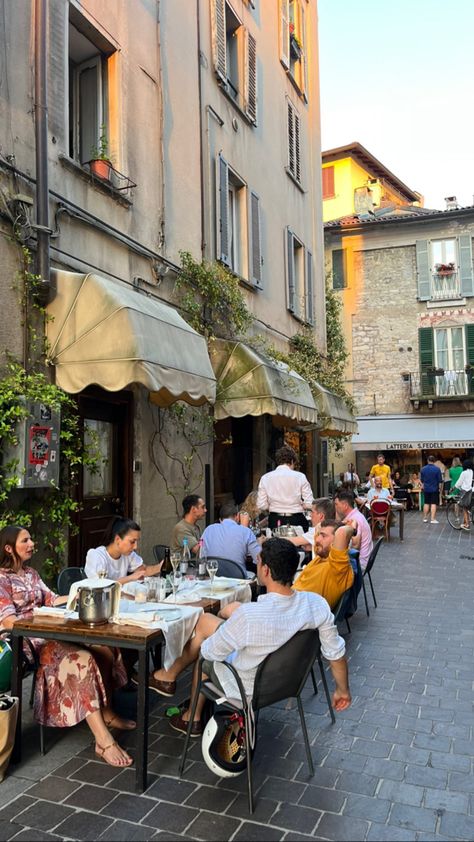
253 630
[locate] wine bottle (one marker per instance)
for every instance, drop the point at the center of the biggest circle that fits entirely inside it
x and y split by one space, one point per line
166 567
201 561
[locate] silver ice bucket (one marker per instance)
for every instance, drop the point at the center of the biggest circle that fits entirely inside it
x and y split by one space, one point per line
94 604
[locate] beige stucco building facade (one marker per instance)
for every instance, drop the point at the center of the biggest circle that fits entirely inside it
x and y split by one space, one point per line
209 112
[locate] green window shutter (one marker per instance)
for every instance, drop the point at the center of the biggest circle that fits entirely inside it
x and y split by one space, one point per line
222 216
309 288
465 265
469 335
426 344
423 269
338 269
290 268
219 44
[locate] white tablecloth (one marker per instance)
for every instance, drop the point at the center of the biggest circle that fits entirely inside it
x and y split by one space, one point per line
176 632
236 590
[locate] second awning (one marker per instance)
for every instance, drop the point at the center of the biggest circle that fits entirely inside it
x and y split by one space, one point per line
249 383
102 331
336 418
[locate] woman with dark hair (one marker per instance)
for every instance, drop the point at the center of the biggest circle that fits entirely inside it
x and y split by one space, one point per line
117 558
464 483
72 683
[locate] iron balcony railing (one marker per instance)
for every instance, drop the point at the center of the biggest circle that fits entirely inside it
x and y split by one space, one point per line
445 285
442 383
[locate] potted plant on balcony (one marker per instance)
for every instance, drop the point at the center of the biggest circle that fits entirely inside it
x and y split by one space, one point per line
100 163
445 268
296 47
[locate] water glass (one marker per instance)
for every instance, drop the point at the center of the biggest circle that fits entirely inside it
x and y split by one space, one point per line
140 593
152 583
212 567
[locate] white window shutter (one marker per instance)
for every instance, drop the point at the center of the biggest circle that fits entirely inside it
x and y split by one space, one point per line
290 271
256 242
222 215
219 51
465 265
304 57
285 32
423 269
250 77
309 288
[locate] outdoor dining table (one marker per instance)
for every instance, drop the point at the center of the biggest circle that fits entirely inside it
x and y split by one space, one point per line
109 634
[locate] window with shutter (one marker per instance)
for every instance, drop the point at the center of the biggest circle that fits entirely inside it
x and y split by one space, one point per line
309 288
290 270
297 277
465 265
294 145
423 269
293 42
339 275
222 180
328 182
255 239
235 58
88 56
232 220
469 340
426 346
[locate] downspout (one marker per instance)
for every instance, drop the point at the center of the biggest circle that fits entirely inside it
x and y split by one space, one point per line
41 149
201 148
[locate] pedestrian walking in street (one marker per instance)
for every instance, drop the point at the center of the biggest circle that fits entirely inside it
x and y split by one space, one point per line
464 484
432 482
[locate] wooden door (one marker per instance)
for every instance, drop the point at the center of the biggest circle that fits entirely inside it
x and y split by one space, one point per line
106 416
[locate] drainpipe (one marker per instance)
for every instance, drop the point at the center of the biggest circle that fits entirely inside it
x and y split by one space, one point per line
201 148
41 146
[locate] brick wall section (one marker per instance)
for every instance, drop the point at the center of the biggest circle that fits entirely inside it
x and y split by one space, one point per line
385 312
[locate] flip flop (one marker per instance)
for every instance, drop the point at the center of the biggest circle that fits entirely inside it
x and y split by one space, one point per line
116 721
100 751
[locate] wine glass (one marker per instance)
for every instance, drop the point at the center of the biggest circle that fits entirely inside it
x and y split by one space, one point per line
175 558
212 567
102 570
176 579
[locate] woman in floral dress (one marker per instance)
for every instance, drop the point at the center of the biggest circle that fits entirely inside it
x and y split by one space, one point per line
72 683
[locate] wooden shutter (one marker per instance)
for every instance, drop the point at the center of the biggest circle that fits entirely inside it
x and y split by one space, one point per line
219 51
290 271
465 265
285 32
291 139
250 77
309 288
469 337
423 269
426 345
297 147
338 269
222 179
255 240
328 182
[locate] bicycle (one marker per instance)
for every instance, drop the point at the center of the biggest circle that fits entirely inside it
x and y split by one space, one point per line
455 512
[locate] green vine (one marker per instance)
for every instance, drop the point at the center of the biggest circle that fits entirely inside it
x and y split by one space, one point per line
51 512
212 299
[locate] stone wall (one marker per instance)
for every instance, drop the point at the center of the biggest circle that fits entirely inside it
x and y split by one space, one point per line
385 319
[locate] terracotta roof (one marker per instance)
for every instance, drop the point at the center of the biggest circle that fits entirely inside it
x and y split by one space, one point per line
372 164
395 214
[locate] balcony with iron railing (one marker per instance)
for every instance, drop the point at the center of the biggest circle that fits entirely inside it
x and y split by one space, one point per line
445 285
442 383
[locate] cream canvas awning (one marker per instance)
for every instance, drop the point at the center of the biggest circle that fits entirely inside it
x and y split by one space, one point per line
335 416
248 383
104 332
415 432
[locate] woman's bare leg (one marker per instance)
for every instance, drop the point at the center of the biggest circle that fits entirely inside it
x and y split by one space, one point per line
106 747
104 658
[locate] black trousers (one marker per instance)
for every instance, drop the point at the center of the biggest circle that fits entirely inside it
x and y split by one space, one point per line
297 519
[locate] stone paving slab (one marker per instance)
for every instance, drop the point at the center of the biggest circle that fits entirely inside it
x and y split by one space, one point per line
396 766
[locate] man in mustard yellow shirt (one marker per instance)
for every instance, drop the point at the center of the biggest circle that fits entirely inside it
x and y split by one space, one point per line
382 470
330 572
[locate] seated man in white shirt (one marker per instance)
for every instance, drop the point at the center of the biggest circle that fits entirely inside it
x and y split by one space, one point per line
253 630
378 492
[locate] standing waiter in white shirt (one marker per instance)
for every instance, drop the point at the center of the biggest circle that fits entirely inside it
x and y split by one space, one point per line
285 493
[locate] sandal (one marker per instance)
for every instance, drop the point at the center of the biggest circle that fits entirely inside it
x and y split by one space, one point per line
100 751
116 721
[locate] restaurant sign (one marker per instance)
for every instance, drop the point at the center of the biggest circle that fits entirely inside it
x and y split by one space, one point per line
429 445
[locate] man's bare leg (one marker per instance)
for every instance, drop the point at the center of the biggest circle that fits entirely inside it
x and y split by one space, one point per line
206 625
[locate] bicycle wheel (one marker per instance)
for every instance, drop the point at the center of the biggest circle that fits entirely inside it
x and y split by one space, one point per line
454 514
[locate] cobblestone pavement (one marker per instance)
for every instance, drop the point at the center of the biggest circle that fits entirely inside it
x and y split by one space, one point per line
396 766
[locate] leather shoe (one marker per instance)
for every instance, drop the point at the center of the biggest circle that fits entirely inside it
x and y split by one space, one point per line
164 688
178 724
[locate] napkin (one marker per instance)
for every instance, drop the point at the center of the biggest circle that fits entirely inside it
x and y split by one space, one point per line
50 611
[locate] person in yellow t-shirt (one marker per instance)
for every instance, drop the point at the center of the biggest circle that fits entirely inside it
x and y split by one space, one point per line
330 572
382 470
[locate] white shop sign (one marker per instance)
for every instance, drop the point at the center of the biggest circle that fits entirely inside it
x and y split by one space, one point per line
427 445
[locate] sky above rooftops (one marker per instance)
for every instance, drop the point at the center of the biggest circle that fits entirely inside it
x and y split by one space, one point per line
398 77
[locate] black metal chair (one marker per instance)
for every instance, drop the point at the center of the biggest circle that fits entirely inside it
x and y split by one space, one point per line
159 552
67 577
366 572
282 675
29 667
227 567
